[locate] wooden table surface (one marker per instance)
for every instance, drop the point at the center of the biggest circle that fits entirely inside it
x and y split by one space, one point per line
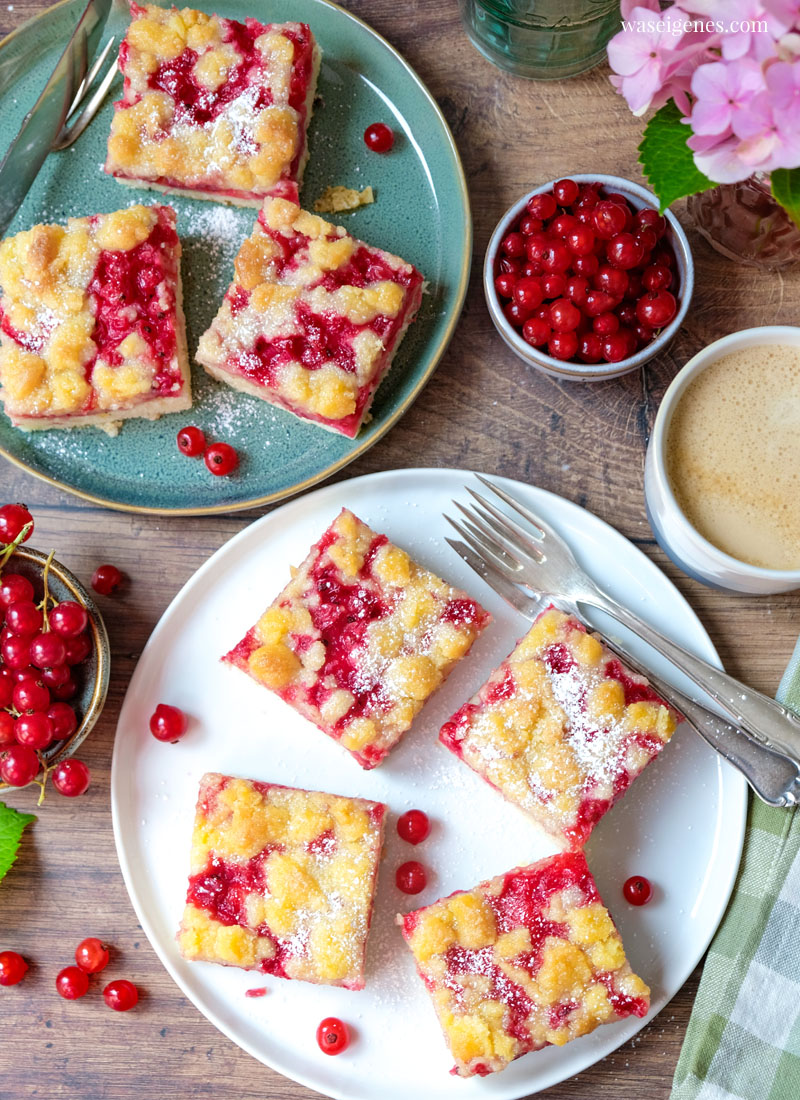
483 409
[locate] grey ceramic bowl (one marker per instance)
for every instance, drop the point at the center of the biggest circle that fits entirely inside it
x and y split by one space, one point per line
94 671
639 197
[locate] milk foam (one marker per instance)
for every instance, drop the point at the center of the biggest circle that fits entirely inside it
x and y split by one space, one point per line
733 455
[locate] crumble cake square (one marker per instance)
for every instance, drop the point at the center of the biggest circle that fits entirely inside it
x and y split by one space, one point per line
359 638
213 107
527 959
282 880
313 318
91 321
561 728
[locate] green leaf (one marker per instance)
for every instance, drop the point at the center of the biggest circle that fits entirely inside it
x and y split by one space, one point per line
12 826
667 160
786 191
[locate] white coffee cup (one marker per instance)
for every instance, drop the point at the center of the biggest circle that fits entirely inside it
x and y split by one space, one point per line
682 542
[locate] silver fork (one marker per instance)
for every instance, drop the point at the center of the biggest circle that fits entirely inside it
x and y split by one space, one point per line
765 747
72 130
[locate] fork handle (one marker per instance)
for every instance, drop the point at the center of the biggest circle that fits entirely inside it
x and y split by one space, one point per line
765 719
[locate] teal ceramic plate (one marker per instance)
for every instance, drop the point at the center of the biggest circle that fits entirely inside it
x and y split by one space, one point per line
421 213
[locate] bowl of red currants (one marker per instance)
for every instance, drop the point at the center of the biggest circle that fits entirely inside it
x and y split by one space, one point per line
584 278
54 670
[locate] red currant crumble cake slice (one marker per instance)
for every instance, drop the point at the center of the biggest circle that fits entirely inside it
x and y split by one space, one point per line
282 880
91 321
313 318
359 638
213 107
527 959
561 728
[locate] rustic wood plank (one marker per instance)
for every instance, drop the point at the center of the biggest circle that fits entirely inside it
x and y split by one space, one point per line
483 409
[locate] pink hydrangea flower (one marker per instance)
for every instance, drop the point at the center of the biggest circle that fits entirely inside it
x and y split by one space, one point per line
723 93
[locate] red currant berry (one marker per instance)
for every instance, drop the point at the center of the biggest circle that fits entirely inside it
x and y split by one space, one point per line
411 877
14 588
62 692
332 1036
6 686
663 255
221 459
31 695
34 730
72 983
528 293
47 650
56 677
78 649
19 765
63 719
542 206
647 238
584 215
504 284
413 826
644 334
563 224
508 266
612 280
14 651
656 308
536 332
68 619
597 302
621 200
564 315
635 288
565 192
637 890
27 672
13 968
651 219
589 195
530 225
532 269
7 735
656 277
513 244
13 517
580 241
609 219
24 618
168 723
121 995
556 259
71 777
535 247
627 314
563 345
554 285
590 348
92 955
605 323
379 137
624 251
191 441
106 579
516 314
585 265
576 288
615 346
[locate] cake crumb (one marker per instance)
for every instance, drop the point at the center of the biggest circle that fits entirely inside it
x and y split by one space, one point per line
337 200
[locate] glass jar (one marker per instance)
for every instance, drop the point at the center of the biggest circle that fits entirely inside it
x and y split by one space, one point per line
542 39
745 223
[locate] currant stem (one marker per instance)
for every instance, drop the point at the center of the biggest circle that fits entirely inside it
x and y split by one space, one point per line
47 596
8 550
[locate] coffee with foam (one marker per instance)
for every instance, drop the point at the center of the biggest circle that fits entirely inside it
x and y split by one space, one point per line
733 455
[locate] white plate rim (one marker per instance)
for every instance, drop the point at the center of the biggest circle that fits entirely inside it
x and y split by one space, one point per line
736 826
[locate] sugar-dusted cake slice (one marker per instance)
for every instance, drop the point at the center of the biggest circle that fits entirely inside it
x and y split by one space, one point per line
359 638
313 318
282 880
562 727
91 321
524 960
213 107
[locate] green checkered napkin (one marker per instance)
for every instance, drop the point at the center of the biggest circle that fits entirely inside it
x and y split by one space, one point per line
743 1040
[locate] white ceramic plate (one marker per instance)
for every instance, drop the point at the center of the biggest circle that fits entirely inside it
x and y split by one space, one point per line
681 825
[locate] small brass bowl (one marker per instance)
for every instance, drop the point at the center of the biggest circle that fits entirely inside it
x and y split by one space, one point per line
94 671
